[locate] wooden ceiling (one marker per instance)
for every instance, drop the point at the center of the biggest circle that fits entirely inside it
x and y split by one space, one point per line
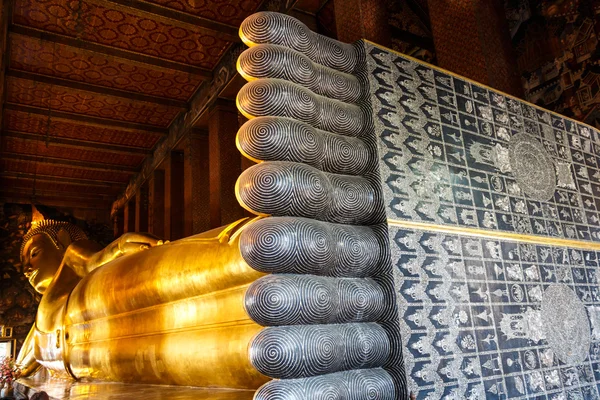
90 88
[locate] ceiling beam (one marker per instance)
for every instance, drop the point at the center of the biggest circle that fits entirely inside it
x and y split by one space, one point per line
102 90
56 202
86 119
77 144
421 13
28 191
110 185
67 163
200 102
220 30
110 51
416 40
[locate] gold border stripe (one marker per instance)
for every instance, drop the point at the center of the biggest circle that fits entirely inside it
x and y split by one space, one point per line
510 236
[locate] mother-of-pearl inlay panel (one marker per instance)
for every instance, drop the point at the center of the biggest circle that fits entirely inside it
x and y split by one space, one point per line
456 153
499 316
483 318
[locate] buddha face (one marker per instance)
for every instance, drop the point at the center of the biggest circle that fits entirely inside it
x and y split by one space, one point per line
41 260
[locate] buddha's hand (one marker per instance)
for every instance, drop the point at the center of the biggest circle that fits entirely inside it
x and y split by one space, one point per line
132 242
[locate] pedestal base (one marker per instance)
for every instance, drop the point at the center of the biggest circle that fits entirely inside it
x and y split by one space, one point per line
59 389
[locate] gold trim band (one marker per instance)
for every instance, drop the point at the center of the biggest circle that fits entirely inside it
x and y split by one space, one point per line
510 236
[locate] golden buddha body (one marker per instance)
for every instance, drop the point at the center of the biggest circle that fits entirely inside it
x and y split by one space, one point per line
141 316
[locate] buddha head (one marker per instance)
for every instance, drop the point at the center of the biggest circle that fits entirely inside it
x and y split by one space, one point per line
43 250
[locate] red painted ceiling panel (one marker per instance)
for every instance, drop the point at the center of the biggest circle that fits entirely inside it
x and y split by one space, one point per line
18 121
37 148
53 59
41 185
231 12
46 96
57 170
118 26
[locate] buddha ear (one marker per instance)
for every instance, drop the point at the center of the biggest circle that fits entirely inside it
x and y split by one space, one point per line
64 238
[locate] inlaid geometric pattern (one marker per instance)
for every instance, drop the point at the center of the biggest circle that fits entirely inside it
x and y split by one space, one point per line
53 59
39 148
460 154
495 319
231 12
119 27
487 317
18 121
46 96
28 167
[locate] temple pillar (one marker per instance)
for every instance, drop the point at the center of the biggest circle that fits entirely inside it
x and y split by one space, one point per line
118 223
156 203
196 188
167 209
176 209
129 215
471 38
362 19
224 163
141 209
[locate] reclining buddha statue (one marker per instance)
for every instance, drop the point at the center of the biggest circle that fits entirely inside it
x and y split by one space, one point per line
296 303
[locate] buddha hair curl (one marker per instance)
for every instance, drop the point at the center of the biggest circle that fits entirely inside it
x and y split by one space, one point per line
50 228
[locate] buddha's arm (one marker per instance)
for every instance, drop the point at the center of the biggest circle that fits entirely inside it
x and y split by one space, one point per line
26 360
84 256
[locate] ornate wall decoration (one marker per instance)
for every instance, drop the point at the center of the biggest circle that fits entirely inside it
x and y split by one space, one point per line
453 152
487 317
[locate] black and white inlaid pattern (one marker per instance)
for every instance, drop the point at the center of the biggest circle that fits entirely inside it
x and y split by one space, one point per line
311 129
283 188
455 153
271 61
287 31
532 167
281 98
496 319
309 350
286 139
371 384
566 324
276 300
305 246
